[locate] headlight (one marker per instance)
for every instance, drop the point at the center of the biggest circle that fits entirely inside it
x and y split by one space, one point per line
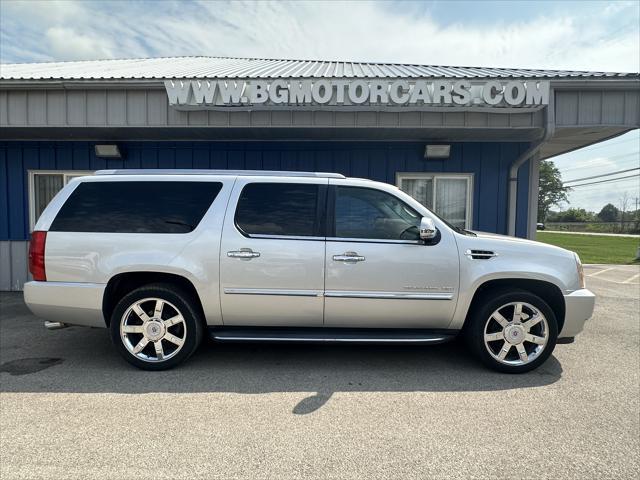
581 278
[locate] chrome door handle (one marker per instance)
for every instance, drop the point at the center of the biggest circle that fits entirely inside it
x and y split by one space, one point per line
243 253
349 257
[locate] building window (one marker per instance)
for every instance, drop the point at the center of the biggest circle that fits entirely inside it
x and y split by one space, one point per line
43 186
449 195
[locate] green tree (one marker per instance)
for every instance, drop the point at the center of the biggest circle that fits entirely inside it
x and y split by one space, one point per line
574 215
553 216
551 191
609 213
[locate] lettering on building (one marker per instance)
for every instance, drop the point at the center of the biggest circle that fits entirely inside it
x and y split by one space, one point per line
354 93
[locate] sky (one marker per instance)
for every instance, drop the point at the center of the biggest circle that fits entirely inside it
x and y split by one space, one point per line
575 35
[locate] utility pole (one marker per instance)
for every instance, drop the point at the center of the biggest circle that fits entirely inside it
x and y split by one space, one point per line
637 226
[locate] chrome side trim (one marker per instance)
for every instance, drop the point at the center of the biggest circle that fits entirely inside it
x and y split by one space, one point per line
273 291
283 237
329 339
388 295
338 294
372 240
330 239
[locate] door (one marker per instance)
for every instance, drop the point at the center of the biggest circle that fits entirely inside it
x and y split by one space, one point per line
272 255
378 274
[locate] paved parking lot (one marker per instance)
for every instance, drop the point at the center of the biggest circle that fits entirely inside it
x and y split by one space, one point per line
70 408
617 274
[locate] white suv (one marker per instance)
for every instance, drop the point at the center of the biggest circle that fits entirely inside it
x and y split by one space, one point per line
163 257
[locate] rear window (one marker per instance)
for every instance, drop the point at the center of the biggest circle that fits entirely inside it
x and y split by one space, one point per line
289 209
136 207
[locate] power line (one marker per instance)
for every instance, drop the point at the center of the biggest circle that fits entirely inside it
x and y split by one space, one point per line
601 175
606 181
625 163
597 146
606 187
626 183
634 154
589 163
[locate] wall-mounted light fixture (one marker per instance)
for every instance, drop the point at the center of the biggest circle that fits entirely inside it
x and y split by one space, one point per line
437 151
108 151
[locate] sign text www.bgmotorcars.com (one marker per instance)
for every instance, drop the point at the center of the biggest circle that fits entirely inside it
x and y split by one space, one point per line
354 93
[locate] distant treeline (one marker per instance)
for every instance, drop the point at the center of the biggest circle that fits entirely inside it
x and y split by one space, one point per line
608 219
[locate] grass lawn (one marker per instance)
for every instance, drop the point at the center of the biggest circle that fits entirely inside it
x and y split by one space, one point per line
594 248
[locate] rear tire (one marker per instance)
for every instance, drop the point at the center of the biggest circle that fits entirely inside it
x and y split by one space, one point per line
512 331
156 327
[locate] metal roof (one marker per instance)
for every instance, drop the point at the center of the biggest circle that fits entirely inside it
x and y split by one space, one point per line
225 67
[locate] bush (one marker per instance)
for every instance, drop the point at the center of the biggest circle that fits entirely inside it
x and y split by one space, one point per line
572 215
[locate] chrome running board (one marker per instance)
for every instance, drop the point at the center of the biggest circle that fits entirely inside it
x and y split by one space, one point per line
330 335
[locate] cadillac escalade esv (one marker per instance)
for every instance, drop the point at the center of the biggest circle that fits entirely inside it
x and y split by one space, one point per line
162 258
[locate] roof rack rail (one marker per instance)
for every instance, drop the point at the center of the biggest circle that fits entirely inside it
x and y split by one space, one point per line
257 173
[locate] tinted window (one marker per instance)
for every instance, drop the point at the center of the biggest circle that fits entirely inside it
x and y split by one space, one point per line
373 214
136 207
278 209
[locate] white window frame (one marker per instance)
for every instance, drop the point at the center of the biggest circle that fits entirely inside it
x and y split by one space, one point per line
400 176
67 175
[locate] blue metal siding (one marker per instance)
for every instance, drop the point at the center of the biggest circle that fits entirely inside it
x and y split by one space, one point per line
4 195
489 162
16 187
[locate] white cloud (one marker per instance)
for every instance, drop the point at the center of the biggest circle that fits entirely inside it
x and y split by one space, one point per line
66 44
53 12
396 32
580 164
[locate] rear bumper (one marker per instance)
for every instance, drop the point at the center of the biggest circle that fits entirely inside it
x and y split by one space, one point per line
579 307
71 303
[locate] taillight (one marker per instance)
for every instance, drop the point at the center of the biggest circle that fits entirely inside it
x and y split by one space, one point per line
36 256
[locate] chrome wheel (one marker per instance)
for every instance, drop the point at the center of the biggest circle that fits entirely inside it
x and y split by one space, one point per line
516 333
153 330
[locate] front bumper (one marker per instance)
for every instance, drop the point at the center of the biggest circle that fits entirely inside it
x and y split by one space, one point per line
579 307
66 302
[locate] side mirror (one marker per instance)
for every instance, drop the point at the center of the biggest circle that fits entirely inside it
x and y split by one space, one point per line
428 230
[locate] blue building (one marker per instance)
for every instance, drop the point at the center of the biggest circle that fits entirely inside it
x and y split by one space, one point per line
466 142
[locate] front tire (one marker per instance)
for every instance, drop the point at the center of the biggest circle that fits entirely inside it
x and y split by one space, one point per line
512 331
156 327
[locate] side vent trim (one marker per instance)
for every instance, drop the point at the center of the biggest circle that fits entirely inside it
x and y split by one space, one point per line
480 254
